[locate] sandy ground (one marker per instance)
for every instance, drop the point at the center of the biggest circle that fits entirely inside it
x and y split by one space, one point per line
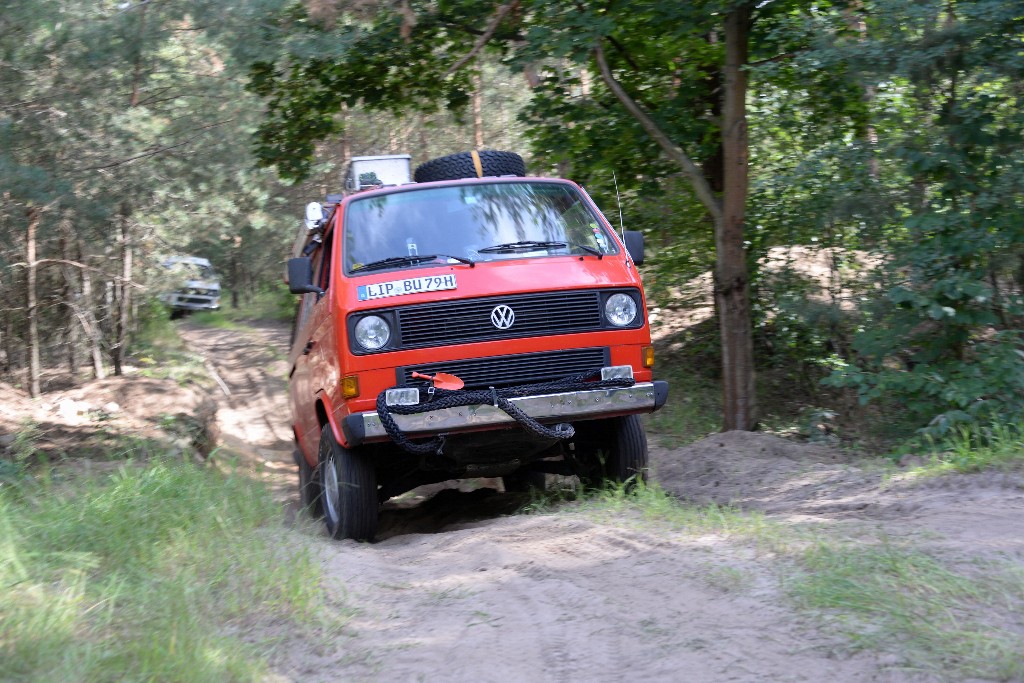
459 588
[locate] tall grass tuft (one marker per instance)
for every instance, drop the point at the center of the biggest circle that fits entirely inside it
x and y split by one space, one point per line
144 575
895 598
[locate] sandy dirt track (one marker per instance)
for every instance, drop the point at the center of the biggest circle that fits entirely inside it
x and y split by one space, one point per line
460 589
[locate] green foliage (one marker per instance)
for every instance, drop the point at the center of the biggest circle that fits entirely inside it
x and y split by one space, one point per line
141 576
977 448
945 337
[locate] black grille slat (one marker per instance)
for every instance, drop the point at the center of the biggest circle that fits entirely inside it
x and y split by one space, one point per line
452 322
501 371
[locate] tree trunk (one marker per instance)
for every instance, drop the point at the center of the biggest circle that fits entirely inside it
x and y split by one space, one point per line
133 100
478 120
346 141
732 286
91 326
71 294
124 302
32 313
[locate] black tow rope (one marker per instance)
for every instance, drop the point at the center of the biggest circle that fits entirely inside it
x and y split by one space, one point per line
437 399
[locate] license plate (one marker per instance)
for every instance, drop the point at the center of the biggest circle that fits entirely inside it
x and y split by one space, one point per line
413 285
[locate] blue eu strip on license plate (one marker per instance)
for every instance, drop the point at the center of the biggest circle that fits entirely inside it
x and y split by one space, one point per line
413 285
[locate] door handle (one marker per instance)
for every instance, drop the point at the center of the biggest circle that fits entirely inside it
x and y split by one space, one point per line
308 348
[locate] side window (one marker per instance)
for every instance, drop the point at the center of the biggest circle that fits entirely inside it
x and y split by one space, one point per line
322 262
321 265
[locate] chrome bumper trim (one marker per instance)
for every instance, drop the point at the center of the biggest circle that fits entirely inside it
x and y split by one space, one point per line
569 406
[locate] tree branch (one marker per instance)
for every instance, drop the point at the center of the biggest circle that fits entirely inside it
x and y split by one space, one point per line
152 152
76 264
776 58
674 152
499 14
621 49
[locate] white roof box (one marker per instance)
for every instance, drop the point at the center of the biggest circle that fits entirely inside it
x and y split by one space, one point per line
364 172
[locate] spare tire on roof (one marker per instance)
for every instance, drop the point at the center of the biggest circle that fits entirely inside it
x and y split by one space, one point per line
463 165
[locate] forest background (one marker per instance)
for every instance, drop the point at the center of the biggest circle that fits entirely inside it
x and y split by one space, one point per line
883 140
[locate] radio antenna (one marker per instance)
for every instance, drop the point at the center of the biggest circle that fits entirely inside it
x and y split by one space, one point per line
618 200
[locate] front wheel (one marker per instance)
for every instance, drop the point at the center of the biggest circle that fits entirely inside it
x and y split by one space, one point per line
348 486
309 487
611 450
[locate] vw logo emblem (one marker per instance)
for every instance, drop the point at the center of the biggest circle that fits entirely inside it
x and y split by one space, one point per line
502 317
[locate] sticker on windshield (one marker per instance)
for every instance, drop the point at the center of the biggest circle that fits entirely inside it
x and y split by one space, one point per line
413 285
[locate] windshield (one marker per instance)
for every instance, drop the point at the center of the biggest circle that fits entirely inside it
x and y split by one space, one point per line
481 222
191 271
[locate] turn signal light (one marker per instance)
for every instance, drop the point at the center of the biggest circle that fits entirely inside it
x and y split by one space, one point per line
647 356
350 386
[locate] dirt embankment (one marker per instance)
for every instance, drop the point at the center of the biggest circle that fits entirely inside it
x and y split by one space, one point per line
456 589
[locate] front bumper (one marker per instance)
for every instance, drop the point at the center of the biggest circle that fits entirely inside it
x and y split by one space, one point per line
569 406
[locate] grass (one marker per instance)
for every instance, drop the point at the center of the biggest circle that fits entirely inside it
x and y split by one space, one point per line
934 616
145 575
161 353
650 506
898 599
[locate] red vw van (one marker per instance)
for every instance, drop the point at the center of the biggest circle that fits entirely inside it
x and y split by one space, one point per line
489 326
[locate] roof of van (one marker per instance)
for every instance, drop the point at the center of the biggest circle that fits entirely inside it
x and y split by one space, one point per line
194 260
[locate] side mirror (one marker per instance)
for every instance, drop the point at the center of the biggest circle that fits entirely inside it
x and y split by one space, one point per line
634 240
314 215
300 276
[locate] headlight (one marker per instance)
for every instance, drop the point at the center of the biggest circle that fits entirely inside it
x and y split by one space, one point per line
372 332
620 310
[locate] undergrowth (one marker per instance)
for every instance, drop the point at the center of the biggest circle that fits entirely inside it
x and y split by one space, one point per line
274 303
149 574
975 448
693 409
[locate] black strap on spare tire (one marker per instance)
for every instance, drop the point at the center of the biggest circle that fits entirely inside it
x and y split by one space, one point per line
488 162
446 398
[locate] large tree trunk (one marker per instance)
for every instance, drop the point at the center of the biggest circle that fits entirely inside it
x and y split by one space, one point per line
732 286
31 308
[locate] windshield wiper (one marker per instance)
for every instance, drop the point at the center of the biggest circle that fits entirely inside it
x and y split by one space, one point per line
524 245
410 260
531 244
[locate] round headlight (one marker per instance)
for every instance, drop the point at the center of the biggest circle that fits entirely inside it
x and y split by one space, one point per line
372 332
620 310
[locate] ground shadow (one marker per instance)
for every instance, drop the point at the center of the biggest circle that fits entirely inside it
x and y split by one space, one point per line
446 510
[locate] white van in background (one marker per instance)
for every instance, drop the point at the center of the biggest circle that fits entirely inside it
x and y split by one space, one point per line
197 287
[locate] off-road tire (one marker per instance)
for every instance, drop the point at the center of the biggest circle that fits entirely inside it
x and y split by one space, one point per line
522 481
309 487
455 166
349 490
613 450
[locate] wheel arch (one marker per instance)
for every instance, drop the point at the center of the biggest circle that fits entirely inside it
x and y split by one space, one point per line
325 416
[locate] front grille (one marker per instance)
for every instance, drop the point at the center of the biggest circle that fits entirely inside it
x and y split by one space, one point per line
454 322
503 371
